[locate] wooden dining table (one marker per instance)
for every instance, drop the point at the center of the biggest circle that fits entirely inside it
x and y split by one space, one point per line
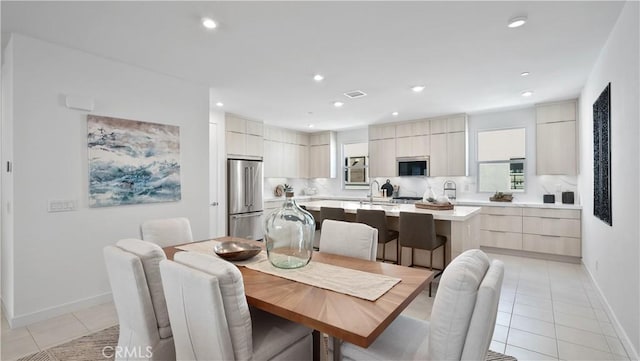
345 318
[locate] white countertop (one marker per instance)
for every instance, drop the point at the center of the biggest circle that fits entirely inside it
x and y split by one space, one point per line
518 204
458 213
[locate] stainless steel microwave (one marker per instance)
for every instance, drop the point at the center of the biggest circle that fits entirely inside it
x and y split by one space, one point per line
413 166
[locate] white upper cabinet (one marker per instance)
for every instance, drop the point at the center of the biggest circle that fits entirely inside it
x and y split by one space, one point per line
556 112
235 124
439 125
448 148
456 154
420 127
382 158
286 153
438 155
416 146
243 137
412 138
443 139
556 138
322 155
255 128
382 131
457 124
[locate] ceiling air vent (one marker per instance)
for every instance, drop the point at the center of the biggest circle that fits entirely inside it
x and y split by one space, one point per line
355 94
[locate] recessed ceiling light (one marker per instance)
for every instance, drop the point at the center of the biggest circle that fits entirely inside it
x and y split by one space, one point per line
338 104
311 125
318 77
517 21
418 88
220 104
524 73
527 93
209 23
395 114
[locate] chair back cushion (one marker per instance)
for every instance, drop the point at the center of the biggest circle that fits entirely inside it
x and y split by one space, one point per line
167 232
138 325
349 239
454 304
231 286
485 312
418 230
374 218
197 313
150 255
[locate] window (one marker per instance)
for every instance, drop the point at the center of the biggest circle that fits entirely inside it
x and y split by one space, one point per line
501 160
356 166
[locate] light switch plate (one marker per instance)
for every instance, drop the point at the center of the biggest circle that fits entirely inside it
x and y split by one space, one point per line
61 205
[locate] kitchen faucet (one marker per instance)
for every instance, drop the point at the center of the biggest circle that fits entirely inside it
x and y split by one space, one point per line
371 190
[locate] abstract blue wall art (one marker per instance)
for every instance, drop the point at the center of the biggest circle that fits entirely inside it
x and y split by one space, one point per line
132 162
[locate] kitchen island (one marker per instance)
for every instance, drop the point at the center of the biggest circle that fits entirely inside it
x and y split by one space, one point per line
460 225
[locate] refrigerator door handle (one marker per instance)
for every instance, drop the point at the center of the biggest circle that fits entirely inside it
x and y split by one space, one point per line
247 215
246 186
252 172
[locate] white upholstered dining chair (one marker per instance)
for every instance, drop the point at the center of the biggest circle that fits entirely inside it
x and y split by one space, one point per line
211 319
349 239
167 232
462 319
134 275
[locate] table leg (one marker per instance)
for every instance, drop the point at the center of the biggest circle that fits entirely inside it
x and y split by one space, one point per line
337 356
316 345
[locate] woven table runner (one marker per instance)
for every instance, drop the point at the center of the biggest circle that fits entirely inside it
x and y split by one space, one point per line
207 248
365 285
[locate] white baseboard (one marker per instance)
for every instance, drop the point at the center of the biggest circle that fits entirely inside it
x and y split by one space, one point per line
626 341
47 313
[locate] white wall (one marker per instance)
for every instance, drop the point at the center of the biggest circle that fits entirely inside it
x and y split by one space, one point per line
58 256
611 253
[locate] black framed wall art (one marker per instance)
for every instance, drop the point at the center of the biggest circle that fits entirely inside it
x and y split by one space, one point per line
602 156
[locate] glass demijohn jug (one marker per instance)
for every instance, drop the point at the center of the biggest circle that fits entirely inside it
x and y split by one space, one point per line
289 233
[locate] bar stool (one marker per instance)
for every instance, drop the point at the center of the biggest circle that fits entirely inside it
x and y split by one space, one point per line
377 219
334 214
418 230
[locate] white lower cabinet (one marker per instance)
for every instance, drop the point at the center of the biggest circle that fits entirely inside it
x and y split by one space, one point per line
555 231
551 226
501 223
542 230
567 246
509 240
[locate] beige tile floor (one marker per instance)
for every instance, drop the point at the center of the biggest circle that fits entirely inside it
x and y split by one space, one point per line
548 311
23 341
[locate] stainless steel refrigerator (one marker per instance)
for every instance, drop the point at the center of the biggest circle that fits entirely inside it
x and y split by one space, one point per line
244 187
